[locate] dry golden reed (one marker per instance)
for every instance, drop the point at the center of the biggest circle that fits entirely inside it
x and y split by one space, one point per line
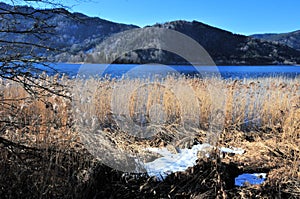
259 115
260 104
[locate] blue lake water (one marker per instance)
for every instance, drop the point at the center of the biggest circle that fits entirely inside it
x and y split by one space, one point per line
251 178
118 70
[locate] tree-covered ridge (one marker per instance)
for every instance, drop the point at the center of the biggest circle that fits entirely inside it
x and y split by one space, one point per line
291 39
68 33
224 47
76 37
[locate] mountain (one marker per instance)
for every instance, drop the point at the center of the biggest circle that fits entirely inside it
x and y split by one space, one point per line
224 47
71 33
291 39
227 48
79 39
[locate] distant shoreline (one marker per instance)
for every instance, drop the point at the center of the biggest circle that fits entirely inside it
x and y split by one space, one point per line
241 65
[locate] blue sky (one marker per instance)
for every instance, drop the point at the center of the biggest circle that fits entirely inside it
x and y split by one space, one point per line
238 16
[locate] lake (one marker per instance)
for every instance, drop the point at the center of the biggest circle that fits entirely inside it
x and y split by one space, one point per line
226 72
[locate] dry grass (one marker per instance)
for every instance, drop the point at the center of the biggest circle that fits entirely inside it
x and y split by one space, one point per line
261 116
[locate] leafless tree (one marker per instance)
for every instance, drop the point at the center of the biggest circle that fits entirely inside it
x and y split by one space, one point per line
24 42
24 36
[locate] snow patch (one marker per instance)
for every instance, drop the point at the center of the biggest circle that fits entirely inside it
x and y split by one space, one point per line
185 158
232 150
169 163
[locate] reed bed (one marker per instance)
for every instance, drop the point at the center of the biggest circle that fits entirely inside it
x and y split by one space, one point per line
44 136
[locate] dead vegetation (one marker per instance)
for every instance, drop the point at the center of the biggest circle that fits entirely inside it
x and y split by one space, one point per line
43 153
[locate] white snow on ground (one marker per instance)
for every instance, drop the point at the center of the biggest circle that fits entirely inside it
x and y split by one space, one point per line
251 178
170 163
232 150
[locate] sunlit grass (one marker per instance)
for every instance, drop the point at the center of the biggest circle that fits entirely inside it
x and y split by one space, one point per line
259 115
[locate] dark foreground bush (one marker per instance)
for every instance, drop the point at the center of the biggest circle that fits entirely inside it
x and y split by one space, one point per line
37 173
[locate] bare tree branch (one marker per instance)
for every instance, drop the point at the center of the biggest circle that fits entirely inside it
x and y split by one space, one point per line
24 47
